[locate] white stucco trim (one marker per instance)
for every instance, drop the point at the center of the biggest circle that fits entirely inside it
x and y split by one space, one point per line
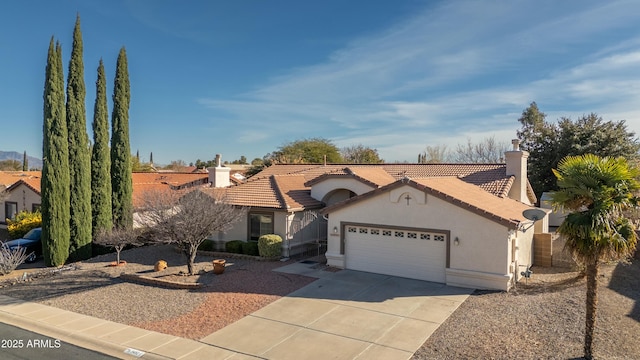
320 190
336 260
478 280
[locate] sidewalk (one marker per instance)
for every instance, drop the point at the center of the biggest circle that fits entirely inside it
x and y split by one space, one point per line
104 336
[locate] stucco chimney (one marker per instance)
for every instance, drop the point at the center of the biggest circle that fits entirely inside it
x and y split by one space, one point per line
516 160
219 175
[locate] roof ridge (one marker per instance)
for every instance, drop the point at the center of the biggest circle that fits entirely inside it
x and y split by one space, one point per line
279 193
507 186
22 181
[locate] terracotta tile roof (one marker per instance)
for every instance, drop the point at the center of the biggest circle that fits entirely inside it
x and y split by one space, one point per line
293 192
490 177
373 176
141 181
145 182
376 175
7 178
170 178
261 192
32 183
286 192
505 211
281 186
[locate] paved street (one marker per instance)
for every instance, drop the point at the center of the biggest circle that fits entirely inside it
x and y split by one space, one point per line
18 344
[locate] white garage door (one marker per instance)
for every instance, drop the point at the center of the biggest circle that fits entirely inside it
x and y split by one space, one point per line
399 252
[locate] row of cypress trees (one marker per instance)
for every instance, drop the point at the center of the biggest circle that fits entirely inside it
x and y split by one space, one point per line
84 189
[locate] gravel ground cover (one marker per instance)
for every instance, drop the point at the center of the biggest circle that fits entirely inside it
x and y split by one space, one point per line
544 319
94 289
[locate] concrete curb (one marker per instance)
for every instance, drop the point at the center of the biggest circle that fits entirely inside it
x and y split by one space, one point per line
74 338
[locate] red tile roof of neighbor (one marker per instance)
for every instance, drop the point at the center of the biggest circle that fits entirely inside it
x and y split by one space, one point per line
8 178
142 182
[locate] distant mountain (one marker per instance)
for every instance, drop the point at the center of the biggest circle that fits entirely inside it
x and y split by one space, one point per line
34 163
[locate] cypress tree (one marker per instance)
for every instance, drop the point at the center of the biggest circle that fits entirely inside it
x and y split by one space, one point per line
151 158
121 182
25 162
55 165
101 160
79 158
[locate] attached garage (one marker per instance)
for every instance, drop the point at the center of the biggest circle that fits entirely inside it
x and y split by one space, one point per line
406 252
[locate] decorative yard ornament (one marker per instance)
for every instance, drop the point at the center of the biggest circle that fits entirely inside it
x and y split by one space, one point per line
160 265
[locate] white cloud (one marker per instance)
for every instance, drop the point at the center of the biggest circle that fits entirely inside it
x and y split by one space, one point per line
462 69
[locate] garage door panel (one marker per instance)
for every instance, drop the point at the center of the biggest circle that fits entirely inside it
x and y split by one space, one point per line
406 253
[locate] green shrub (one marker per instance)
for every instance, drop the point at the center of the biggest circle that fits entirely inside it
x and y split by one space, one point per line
25 221
250 248
270 245
207 245
234 246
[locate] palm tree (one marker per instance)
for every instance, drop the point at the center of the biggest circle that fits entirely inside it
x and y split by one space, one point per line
596 191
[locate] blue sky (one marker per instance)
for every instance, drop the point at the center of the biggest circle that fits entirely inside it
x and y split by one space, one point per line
244 77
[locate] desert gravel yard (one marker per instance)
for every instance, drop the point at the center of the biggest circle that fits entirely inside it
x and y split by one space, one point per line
94 289
541 320
544 319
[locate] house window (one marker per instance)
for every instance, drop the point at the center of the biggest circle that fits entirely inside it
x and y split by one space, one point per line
10 210
399 233
375 232
386 232
363 230
260 224
35 207
425 237
351 229
438 238
412 235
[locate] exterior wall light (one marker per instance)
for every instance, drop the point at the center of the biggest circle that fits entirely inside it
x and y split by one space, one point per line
335 229
456 242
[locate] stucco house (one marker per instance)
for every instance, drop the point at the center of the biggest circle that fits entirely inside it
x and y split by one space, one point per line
22 188
21 192
459 224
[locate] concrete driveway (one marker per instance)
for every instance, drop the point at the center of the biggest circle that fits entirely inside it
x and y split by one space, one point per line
343 315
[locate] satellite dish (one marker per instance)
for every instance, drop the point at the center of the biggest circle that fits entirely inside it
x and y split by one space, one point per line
534 214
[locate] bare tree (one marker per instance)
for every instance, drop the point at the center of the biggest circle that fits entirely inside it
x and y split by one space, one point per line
487 151
434 155
187 218
118 238
10 259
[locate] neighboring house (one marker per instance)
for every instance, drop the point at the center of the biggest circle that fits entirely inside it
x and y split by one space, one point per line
22 192
459 224
23 188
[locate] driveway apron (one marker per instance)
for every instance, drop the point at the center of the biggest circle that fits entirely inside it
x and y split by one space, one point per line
344 315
